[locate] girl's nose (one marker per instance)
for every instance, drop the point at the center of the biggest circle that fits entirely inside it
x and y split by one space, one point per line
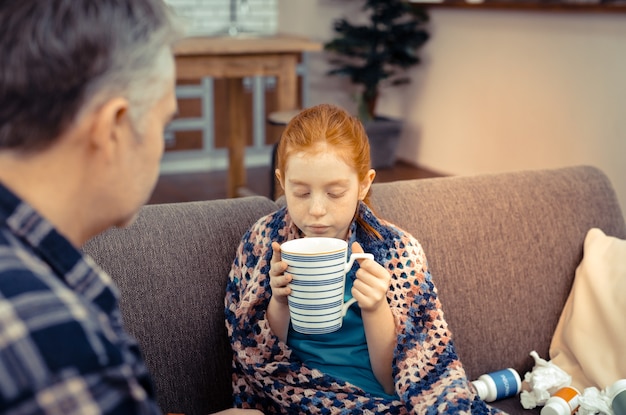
317 207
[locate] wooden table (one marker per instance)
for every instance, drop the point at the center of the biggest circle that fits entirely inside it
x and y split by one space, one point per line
234 58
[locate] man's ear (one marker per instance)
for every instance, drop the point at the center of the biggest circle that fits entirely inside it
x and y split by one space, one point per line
111 125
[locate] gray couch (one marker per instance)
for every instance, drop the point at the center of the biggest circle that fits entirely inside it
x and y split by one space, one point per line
502 248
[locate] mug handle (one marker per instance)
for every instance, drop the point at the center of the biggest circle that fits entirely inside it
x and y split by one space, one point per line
357 255
346 306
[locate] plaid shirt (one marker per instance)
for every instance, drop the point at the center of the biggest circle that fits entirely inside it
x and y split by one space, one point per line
63 349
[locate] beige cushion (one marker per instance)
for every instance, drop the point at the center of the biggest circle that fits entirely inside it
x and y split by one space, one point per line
590 338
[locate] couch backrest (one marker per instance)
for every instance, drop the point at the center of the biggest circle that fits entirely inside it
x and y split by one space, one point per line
171 267
503 250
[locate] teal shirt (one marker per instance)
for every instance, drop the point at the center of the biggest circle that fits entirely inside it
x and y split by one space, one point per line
343 353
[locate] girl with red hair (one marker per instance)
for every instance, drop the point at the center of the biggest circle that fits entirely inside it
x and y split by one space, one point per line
393 352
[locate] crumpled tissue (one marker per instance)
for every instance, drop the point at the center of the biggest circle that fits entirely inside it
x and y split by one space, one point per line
594 401
544 379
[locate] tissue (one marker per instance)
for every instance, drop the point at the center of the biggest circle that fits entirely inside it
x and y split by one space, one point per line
540 383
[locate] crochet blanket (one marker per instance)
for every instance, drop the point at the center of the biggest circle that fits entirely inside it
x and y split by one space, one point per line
428 376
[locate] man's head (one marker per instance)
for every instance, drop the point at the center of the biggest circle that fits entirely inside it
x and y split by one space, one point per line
86 88
61 58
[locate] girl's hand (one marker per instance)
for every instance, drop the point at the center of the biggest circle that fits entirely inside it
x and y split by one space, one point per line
278 279
278 308
371 284
370 290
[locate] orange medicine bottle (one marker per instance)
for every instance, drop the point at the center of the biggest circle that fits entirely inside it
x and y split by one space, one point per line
563 402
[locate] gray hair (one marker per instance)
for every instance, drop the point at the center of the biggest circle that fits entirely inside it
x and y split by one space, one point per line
63 57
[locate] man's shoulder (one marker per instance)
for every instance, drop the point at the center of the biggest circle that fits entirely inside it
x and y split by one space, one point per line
46 328
21 270
32 295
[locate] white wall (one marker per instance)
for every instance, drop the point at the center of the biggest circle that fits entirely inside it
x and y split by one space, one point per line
499 90
313 18
214 17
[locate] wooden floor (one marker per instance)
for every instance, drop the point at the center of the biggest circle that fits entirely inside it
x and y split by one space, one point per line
185 187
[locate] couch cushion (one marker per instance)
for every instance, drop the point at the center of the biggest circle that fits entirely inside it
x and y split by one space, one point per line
171 266
503 249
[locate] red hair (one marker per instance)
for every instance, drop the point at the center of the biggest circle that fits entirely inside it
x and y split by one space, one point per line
324 127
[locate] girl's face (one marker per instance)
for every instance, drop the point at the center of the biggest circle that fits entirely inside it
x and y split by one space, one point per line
322 193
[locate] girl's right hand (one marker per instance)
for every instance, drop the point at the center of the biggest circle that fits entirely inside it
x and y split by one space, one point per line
279 281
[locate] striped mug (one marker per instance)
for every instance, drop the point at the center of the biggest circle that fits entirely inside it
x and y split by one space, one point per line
318 267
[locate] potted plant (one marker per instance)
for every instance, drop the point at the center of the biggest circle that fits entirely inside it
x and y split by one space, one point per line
377 54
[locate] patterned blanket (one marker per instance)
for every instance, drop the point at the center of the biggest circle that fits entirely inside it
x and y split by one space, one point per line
429 378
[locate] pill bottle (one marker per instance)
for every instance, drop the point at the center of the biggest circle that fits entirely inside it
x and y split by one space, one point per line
617 395
498 385
563 402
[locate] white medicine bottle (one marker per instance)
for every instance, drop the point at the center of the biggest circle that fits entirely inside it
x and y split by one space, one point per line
498 385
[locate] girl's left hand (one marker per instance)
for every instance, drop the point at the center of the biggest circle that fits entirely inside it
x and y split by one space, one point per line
371 284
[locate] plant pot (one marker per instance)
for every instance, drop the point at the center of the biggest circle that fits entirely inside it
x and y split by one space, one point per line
384 136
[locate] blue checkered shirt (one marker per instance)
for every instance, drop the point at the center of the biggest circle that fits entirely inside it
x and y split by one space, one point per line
63 349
